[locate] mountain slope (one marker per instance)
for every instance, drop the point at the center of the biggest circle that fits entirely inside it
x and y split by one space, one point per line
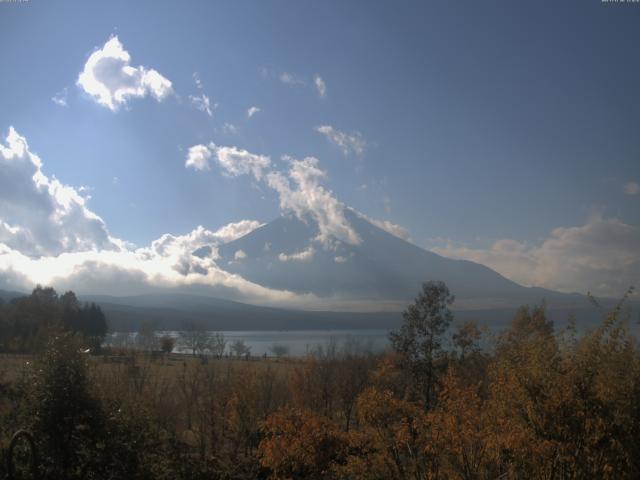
382 266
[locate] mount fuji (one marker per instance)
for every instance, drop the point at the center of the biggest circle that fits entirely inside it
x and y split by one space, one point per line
286 254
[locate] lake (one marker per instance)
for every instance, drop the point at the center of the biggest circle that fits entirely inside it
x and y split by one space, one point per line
297 342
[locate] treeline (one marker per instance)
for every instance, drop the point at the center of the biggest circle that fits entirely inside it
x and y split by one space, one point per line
536 403
26 322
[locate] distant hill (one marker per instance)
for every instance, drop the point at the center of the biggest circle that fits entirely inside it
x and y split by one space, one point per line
173 311
7 296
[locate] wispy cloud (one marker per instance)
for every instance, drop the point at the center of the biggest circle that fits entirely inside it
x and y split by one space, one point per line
321 87
60 98
203 104
388 226
252 111
348 142
290 79
632 188
229 128
197 80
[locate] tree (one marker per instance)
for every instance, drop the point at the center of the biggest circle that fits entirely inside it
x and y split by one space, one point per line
466 338
67 419
89 320
217 344
419 339
196 338
240 348
167 343
299 443
279 350
146 338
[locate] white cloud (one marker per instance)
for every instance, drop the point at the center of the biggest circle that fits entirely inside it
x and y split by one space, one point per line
203 104
309 197
320 86
305 255
40 215
601 256
60 98
340 259
234 161
300 189
236 230
632 188
197 81
252 111
229 129
200 237
348 143
198 157
390 227
290 79
110 79
239 255
49 236
129 272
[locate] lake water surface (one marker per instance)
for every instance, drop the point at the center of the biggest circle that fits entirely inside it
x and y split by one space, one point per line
297 342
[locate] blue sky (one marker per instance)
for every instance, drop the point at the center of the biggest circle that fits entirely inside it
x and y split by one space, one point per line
478 122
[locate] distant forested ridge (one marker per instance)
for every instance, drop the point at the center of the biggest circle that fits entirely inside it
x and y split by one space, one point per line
25 321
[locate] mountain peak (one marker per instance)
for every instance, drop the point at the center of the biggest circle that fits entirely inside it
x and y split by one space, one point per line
287 254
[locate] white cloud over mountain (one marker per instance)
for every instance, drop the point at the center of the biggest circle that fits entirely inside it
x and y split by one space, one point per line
388 226
300 189
302 192
305 255
48 235
601 256
111 81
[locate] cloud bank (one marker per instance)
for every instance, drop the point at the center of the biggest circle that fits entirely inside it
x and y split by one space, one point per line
48 235
39 215
601 256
